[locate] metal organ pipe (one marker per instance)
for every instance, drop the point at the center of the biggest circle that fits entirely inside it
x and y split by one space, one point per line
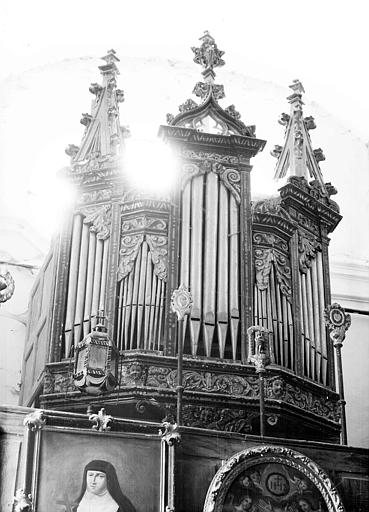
81 284
89 283
97 280
234 273
72 285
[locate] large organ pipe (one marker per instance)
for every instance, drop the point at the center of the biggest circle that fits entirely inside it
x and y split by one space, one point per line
280 322
311 322
152 312
322 323
317 320
306 324
72 285
81 284
210 248
233 273
128 309
196 259
97 281
285 331
274 316
161 311
89 282
222 307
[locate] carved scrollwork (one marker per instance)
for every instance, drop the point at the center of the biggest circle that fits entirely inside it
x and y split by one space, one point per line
272 206
225 419
231 111
144 222
270 240
308 247
215 157
95 196
337 321
231 179
99 218
130 245
189 171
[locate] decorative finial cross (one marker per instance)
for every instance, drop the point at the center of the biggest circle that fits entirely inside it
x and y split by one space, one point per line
208 56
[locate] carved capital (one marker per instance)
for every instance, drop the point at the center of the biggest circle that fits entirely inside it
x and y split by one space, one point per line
35 420
337 321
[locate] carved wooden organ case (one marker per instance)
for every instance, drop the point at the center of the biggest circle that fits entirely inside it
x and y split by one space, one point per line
246 263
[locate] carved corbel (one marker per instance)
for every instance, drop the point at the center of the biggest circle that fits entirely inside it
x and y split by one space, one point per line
35 420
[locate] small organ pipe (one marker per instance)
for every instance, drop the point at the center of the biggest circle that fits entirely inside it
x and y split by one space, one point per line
274 315
147 300
306 325
234 272
316 319
136 277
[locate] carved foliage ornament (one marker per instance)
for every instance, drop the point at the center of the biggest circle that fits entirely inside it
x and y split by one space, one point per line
131 243
170 434
99 219
290 476
101 421
308 247
266 257
208 55
35 420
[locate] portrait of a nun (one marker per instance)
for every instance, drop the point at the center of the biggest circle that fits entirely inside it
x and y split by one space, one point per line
100 491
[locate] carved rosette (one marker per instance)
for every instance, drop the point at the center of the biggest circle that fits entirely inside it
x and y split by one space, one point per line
281 459
337 321
7 286
271 254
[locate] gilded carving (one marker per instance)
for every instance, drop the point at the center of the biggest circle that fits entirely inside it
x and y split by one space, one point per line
159 254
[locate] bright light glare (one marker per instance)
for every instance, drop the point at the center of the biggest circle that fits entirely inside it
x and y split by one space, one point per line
150 165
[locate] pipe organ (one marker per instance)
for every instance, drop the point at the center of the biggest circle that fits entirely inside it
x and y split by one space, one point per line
261 264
